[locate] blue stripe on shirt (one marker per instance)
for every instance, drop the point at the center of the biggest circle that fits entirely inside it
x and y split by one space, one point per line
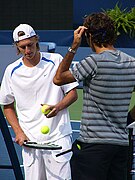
20 64
47 60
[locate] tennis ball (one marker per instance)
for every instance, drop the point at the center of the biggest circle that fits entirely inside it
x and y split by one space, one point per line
43 109
45 129
79 147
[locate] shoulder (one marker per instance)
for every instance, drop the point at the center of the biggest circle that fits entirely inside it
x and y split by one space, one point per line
123 54
15 64
54 57
51 55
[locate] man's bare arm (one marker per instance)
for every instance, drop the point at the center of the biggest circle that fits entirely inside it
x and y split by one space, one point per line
10 114
68 99
63 75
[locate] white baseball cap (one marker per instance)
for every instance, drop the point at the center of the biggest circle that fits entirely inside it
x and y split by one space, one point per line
28 32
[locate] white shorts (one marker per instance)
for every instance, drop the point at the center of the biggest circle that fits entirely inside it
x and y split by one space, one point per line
44 165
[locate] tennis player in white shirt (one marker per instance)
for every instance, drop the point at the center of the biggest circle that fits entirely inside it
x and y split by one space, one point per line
28 83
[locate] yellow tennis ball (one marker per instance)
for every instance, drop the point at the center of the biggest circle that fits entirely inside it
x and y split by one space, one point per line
45 129
43 109
79 147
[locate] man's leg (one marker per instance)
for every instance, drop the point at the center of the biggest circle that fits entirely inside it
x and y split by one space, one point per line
34 167
58 168
90 161
119 164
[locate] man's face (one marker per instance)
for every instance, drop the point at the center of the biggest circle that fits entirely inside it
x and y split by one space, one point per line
27 47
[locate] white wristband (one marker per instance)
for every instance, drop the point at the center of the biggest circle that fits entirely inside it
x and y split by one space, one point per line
71 50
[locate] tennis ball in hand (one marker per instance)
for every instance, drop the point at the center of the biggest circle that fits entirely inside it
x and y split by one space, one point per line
43 109
45 129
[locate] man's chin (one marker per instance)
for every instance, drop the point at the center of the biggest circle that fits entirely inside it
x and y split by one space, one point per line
29 57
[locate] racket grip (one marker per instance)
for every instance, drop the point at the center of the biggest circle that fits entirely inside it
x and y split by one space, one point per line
29 142
64 152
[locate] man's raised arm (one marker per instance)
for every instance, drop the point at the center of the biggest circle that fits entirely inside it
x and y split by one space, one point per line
63 74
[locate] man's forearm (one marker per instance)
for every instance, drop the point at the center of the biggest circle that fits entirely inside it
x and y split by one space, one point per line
11 117
66 62
70 98
63 75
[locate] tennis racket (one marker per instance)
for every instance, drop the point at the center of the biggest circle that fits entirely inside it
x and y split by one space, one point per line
46 146
67 151
64 152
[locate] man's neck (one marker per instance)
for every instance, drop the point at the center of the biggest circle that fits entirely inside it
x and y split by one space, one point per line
101 49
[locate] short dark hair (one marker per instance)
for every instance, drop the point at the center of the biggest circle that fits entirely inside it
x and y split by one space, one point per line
102 29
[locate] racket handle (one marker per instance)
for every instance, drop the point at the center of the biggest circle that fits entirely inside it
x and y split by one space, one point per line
29 142
64 152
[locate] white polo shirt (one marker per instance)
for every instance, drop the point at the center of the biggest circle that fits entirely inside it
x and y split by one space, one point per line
32 86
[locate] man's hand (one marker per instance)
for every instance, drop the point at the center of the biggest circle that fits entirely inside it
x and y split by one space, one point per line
20 138
78 37
53 112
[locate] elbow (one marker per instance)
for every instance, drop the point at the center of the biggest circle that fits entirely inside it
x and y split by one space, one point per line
57 82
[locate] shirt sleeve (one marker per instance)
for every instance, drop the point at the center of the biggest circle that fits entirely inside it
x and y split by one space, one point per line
6 93
67 87
87 68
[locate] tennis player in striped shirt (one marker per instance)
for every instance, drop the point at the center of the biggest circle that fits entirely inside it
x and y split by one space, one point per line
108 76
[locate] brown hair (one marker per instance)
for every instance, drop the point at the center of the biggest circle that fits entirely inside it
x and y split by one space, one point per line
102 29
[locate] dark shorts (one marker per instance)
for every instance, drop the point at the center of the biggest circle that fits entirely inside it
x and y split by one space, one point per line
99 161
